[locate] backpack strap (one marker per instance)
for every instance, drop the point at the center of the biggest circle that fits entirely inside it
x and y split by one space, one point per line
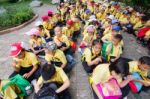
93 54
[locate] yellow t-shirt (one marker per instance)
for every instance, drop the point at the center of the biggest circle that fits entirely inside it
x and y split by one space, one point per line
133 67
102 74
121 17
98 15
84 16
124 20
107 37
89 55
107 30
89 38
106 24
117 15
77 26
45 33
62 39
138 25
9 92
48 25
59 77
91 8
73 14
68 32
134 20
29 60
35 43
59 56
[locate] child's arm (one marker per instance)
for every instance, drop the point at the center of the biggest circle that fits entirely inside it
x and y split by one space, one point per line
144 82
126 81
14 63
64 86
108 50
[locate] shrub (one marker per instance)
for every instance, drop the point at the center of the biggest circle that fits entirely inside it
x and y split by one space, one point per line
13 1
15 15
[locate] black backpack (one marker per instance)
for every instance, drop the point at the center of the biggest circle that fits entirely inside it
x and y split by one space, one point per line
45 93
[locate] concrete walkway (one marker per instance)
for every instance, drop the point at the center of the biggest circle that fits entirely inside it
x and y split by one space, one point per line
80 88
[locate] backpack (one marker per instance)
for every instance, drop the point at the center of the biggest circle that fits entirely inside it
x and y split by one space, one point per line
136 86
21 83
110 89
46 92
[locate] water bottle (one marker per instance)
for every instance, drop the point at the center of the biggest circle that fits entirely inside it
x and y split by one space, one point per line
28 90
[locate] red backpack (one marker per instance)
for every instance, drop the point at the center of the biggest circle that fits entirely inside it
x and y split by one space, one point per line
141 32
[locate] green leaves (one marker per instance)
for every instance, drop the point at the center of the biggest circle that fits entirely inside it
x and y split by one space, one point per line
16 14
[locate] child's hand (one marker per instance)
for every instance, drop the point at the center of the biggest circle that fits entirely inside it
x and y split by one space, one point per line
130 77
97 60
14 63
27 75
100 59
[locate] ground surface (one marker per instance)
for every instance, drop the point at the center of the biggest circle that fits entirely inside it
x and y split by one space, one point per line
80 88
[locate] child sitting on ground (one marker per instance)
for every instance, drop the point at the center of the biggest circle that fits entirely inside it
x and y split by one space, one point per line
114 49
35 42
88 37
54 78
44 33
92 56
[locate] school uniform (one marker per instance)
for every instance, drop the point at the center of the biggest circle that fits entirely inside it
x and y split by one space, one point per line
88 56
55 82
115 50
58 59
37 45
49 26
68 31
102 74
44 33
63 41
26 64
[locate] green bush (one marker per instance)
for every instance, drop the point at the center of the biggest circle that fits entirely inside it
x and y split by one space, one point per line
15 15
13 1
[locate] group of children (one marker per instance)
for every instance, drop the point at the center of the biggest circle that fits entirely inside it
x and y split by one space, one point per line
100 24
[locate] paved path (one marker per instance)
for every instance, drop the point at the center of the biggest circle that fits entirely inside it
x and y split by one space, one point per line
80 88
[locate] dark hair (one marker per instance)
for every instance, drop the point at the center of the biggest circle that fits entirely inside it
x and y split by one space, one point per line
144 18
50 15
47 71
41 26
120 67
109 6
118 36
95 42
145 60
108 14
